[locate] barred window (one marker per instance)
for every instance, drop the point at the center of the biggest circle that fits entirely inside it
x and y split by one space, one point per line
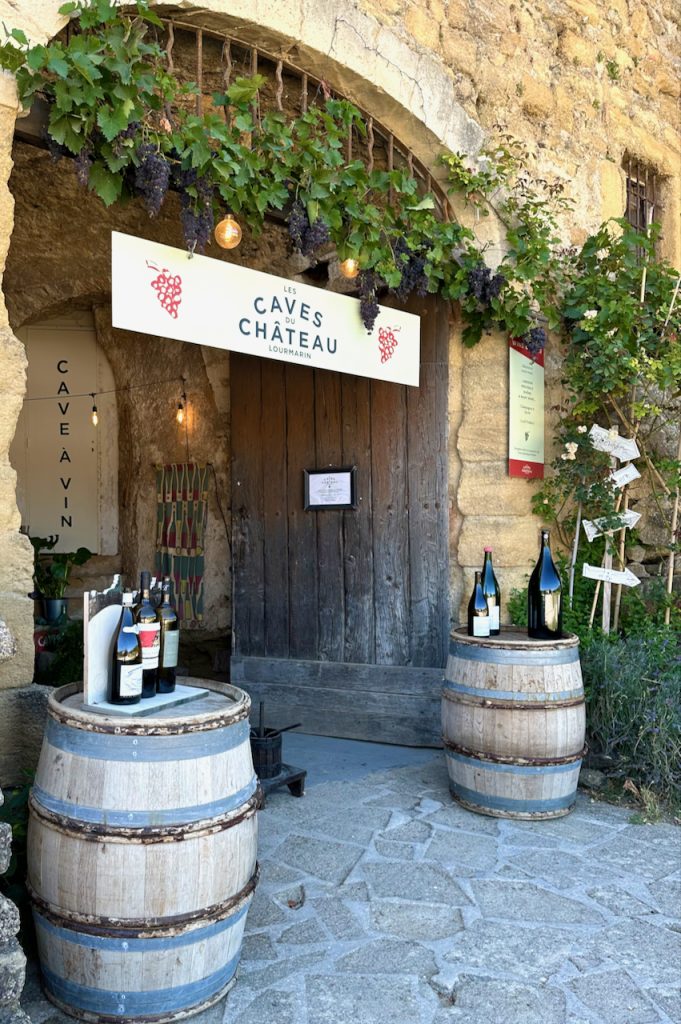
642 194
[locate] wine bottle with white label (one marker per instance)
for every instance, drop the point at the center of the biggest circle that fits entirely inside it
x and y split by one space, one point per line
490 589
478 612
544 597
126 669
149 630
170 641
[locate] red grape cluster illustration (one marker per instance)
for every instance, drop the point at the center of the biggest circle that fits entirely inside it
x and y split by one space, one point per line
387 342
168 288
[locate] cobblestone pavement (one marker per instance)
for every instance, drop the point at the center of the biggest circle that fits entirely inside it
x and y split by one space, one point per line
382 901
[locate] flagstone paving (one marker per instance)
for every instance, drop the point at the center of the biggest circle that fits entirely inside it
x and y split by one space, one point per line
381 901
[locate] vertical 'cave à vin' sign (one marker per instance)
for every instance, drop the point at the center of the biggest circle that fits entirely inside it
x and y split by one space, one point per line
525 412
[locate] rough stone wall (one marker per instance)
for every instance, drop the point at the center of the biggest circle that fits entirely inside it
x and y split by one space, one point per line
581 82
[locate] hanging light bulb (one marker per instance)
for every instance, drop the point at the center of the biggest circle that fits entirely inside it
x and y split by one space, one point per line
228 232
179 415
95 417
349 268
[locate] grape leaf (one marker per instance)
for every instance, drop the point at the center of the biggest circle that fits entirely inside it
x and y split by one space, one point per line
106 184
112 121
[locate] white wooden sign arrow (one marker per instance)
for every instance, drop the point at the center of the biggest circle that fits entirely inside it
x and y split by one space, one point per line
624 475
595 572
598 526
621 447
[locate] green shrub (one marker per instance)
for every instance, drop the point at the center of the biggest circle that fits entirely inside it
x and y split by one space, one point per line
633 700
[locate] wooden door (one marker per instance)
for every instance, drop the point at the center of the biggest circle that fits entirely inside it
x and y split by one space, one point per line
341 618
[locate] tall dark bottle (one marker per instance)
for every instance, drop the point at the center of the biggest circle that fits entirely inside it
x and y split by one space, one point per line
149 630
490 589
126 667
478 612
544 599
170 641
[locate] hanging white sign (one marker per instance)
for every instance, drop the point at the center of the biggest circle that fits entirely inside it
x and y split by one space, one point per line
597 572
625 475
605 441
160 290
619 522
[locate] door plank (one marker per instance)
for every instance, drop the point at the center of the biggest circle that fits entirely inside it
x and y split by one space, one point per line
302 528
329 448
427 476
275 511
390 522
247 506
360 627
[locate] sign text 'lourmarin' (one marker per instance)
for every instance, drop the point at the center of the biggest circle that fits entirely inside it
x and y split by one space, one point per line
157 289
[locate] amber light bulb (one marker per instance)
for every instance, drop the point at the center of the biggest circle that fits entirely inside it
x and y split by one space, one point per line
228 232
349 268
180 413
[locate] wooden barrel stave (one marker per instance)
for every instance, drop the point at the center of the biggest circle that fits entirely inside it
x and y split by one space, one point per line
142 858
513 721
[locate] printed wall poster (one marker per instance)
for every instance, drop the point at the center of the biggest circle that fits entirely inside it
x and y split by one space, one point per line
525 413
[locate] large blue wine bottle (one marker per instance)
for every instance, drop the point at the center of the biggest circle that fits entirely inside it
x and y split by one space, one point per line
544 597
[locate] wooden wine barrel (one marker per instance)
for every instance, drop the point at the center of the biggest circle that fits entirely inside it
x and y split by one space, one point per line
142 855
513 723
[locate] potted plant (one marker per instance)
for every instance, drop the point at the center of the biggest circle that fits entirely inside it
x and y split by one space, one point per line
52 573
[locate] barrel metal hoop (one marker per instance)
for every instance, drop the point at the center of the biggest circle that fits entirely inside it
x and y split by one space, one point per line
142 818
88 722
500 759
500 655
506 807
95 832
130 748
147 927
457 697
139 1007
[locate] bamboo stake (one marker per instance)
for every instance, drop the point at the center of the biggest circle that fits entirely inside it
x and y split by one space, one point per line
620 555
672 542
573 560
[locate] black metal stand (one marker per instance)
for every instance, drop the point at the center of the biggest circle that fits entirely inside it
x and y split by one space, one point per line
294 778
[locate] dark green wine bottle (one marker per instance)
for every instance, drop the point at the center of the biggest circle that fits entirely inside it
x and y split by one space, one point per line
544 597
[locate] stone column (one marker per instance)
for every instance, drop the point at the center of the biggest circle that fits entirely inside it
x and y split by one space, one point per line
12 959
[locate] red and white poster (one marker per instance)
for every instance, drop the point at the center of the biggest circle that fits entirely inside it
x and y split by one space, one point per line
525 412
157 289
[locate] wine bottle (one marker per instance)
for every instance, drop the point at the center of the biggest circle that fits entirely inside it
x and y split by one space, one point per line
478 612
490 589
126 668
170 641
149 629
544 599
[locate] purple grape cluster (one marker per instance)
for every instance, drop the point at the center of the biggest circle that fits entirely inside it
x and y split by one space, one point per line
197 215
152 177
82 164
368 283
306 237
130 132
55 149
534 341
412 265
483 285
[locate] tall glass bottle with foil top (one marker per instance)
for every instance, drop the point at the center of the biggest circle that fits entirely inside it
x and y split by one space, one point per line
149 630
544 597
490 588
170 641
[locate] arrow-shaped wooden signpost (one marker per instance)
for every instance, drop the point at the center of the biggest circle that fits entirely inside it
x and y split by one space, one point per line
624 449
594 528
624 577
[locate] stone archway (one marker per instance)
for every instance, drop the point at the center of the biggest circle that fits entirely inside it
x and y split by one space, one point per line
406 87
